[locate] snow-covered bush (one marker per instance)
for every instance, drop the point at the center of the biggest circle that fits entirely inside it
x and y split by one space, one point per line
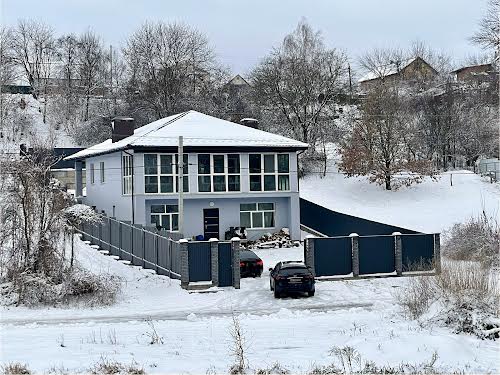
477 239
109 367
15 368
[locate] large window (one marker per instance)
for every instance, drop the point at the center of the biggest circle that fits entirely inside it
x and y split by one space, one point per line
269 172
165 216
257 215
127 171
218 172
161 173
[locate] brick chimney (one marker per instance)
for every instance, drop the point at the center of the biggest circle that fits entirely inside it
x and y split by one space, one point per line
121 127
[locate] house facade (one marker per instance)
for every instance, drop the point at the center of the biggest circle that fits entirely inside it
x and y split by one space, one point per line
233 176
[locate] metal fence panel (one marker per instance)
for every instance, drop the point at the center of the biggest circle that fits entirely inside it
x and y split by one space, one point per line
115 238
332 256
418 252
105 227
164 257
138 247
200 266
332 223
376 254
225 264
175 248
150 250
126 244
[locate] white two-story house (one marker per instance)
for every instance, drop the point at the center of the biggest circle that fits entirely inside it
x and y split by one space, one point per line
234 176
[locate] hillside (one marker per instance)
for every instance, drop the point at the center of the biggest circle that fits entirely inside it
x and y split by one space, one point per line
427 207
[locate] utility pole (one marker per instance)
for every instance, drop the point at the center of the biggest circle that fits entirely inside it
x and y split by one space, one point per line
180 183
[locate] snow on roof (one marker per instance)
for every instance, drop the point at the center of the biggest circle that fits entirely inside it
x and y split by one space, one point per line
198 130
386 70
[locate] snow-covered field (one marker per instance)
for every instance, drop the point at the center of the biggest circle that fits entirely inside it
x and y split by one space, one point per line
297 332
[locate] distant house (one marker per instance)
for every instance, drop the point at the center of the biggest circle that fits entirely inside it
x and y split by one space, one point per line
234 176
415 68
474 73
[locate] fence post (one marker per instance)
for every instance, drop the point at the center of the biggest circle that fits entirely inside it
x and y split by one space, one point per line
184 263
214 248
235 250
437 253
120 245
398 253
309 253
355 253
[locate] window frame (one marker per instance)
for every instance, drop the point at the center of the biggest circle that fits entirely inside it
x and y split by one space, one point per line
262 212
127 173
174 173
262 173
92 173
165 213
212 174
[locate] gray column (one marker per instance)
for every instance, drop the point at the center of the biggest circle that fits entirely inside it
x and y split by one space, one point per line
78 179
184 263
214 248
235 250
398 253
437 253
309 253
355 253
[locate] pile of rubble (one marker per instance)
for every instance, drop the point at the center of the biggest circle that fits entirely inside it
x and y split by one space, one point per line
271 241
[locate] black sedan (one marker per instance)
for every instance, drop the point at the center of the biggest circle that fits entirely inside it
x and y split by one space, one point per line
291 277
250 264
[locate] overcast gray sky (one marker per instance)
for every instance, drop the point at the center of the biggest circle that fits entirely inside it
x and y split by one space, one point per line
242 31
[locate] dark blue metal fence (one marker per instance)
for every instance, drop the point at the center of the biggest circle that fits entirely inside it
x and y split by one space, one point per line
200 261
417 252
333 224
376 255
332 256
225 264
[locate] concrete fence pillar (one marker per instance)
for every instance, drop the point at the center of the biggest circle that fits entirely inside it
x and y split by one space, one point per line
355 253
437 253
309 253
235 250
398 253
214 248
184 263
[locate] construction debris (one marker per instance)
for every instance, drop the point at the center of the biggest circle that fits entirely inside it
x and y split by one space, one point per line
272 241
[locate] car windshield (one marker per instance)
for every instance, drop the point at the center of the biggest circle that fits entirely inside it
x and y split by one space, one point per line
294 271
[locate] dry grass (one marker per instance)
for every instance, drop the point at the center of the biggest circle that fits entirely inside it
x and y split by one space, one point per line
15 368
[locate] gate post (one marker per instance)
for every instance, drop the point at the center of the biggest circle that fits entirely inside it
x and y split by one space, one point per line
437 253
235 250
214 249
398 253
355 253
309 253
184 263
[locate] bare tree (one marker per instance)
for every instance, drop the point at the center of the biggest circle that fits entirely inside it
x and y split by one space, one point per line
377 148
170 66
91 59
33 46
67 53
488 35
297 84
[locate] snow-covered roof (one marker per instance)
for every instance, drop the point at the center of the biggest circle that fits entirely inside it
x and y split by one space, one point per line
386 70
198 130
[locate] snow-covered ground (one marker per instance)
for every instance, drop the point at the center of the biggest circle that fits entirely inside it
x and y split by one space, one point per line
430 207
297 332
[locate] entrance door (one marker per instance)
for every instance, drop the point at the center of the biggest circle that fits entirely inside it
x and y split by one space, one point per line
211 223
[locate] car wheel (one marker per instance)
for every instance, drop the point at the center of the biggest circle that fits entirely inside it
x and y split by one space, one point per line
310 294
276 294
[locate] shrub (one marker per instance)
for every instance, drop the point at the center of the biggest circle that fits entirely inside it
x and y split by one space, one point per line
477 239
107 367
15 368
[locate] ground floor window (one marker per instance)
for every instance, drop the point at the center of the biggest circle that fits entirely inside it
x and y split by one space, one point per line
257 215
165 216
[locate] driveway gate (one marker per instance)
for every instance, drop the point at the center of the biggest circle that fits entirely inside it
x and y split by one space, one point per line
225 264
200 261
332 256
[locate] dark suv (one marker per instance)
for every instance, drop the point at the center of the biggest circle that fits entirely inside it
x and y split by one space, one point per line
291 277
